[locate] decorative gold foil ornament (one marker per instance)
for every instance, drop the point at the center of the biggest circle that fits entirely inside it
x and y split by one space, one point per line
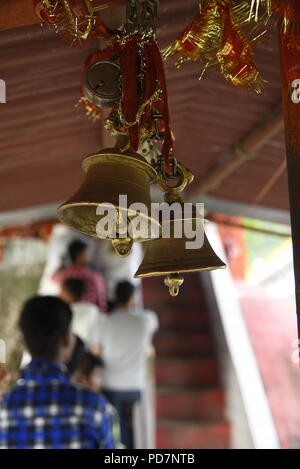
109 174
221 36
255 10
287 14
77 18
201 37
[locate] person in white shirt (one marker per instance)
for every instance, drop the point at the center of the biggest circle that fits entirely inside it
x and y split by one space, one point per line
85 314
124 338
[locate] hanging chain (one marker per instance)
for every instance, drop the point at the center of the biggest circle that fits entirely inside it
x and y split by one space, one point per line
132 16
141 17
148 17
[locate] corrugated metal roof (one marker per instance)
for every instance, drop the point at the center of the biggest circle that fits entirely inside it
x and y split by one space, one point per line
43 138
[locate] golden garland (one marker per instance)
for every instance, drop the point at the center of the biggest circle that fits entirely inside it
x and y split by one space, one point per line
222 37
77 18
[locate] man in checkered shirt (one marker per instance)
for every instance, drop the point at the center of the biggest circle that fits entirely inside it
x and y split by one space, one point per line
45 410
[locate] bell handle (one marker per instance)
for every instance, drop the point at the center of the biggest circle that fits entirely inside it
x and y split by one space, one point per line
185 177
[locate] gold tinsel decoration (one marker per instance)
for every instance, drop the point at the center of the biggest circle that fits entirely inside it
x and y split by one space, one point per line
221 36
287 14
256 7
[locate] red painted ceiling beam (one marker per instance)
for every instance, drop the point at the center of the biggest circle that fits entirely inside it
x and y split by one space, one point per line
15 13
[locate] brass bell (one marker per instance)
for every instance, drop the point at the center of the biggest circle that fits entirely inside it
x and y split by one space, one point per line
111 173
169 255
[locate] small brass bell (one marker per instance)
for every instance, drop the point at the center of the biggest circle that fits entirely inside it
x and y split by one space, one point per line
169 256
111 173
101 83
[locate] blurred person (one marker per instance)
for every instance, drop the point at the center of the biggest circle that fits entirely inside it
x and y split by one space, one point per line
95 291
78 352
45 410
89 371
85 314
114 271
57 254
86 369
124 338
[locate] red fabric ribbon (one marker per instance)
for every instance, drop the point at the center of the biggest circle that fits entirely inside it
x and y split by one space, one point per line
287 8
130 103
137 93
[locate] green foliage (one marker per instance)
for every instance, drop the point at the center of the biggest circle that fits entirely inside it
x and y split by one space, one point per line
262 244
15 288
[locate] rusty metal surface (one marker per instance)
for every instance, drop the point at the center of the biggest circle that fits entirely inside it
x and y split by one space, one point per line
43 139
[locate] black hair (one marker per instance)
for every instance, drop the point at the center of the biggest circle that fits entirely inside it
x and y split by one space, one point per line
76 287
124 291
44 321
76 247
77 355
88 363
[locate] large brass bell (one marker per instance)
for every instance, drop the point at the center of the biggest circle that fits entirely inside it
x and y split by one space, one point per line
170 256
111 173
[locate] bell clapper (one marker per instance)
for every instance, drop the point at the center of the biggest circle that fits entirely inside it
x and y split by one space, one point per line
122 246
174 281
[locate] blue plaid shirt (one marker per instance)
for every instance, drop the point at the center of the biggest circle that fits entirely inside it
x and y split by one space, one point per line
45 410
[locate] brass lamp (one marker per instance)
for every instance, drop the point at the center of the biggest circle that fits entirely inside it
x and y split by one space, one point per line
168 256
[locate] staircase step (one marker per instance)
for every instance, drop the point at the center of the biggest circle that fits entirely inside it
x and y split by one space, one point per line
189 372
183 319
184 404
190 435
189 401
164 299
168 343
